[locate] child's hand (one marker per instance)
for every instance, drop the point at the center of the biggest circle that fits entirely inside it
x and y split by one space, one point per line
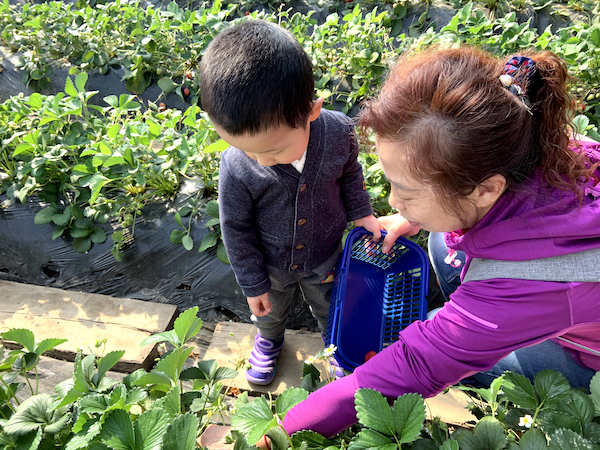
371 224
396 226
260 306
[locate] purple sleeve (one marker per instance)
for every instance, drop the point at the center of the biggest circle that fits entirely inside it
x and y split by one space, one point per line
327 411
483 322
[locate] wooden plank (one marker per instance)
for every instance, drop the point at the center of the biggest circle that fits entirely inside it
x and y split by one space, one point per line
450 407
84 318
228 349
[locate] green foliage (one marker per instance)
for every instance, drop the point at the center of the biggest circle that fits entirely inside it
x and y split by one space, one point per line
519 414
147 411
94 165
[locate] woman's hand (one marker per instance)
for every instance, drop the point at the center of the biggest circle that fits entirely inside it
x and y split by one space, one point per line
396 226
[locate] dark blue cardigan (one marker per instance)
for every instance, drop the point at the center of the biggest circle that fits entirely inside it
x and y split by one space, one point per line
276 216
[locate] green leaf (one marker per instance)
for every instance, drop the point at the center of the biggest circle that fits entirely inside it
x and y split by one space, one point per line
568 439
21 336
218 146
45 215
490 433
467 440
373 411
212 209
192 373
58 231
313 440
70 88
82 245
98 235
224 373
62 219
519 390
155 377
595 392
279 438
551 387
172 363
170 403
94 403
34 413
288 399
178 220
409 414
222 253
80 232
187 325
59 422
96 184
370 439
166 84
208 367
449 445
48 344
209 240
579 406
168 336
29 442
533 439
213 223
117 431
181 434
135 395
177 236
80 81
188 242
254 419
107 362
150 429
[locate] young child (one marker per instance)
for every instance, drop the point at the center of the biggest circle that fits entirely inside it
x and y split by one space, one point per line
481 150
288 184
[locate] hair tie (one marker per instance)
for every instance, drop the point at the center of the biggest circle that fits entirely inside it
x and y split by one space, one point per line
517 70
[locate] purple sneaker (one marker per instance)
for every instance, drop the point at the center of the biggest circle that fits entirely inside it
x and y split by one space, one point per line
263 360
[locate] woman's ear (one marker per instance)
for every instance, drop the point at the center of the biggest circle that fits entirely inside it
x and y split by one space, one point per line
487 193
316 109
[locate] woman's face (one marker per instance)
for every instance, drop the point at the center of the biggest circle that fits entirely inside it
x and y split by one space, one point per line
413 200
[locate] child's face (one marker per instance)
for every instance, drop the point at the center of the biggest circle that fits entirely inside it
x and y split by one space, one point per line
281 145
413 200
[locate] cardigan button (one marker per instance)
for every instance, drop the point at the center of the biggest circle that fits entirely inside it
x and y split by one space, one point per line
302 222
294 267
299 246
303 188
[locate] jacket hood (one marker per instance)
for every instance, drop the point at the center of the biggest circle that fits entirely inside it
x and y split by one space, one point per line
536 222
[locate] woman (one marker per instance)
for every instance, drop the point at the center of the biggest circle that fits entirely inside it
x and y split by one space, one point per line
480 149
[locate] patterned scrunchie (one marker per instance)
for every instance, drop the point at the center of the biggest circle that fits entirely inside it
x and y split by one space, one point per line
516 70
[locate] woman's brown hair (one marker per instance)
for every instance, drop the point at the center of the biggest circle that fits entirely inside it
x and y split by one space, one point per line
458 125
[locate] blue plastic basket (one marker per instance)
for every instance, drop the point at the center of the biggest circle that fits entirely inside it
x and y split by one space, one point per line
374 296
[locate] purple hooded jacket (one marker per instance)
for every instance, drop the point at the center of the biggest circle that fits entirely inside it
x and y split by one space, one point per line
484 320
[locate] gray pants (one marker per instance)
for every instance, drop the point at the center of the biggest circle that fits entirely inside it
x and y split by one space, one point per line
286 288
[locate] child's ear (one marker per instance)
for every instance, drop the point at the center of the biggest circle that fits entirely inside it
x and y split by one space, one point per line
316 109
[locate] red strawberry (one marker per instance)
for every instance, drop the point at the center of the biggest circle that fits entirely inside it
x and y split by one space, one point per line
186 91
369 355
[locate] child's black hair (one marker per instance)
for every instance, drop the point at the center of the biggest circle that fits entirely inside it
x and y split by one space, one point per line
255 76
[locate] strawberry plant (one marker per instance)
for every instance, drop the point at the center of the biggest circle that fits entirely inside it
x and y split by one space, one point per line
93 165
513 414
147 410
